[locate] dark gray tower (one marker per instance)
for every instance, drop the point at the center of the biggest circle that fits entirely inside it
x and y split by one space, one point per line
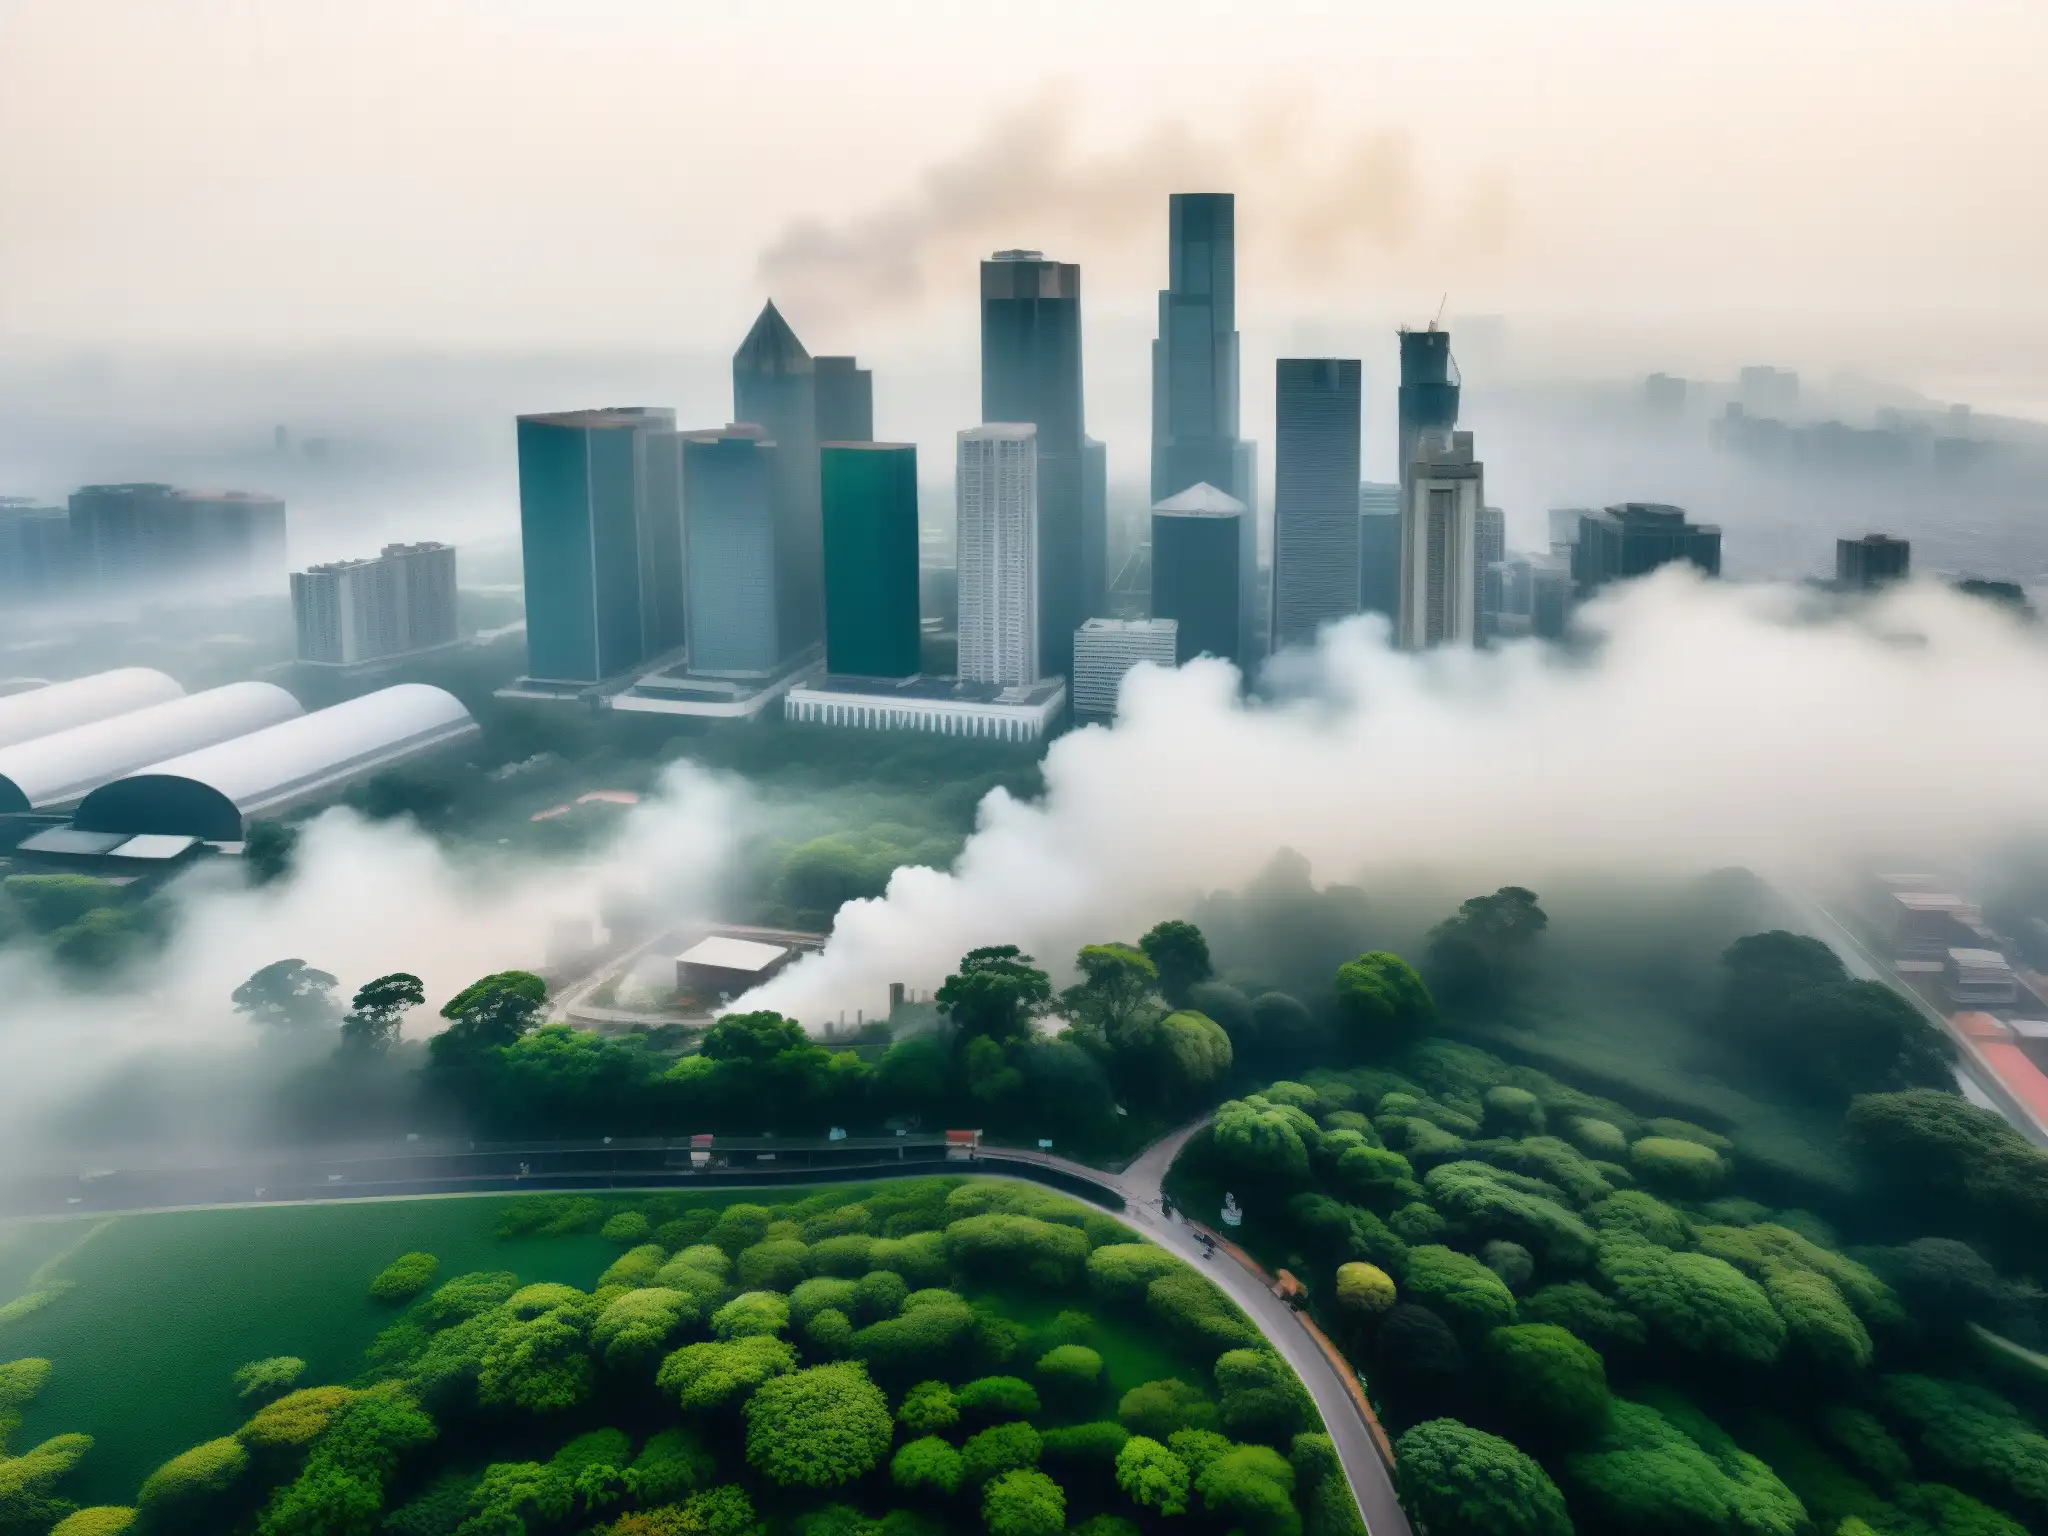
1031 372
1194 373
774 385
1429 393
1318 406
1195 581
846 401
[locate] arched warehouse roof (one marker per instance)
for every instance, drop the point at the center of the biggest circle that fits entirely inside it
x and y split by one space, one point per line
213 792
82 700
60 768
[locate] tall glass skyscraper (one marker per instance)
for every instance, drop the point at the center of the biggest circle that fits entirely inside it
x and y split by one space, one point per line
1031 371
997 486
589 499
1195 373
1429 394
1196 547
774 384
1318 409
871 615
846 400
730 490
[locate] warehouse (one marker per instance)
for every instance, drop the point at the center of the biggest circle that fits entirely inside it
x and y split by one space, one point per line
724 967
215 792
59 706
62 768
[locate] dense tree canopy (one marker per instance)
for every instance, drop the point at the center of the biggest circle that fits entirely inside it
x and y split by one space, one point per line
1180 954
287 994
1382 1003
997 992
819 1427
1461 1481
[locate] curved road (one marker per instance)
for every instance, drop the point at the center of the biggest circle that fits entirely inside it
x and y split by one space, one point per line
1138 1186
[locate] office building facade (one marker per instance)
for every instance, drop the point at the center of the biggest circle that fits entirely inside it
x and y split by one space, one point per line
869 493
1094 529
1105 649
1379 549
1491 559
127 536
846 400
587 509
774 385
731 491
398 604
35 550
1197 545
1872 560
1318 414
996 486
1634 538
1440 543
1429 393
1031 372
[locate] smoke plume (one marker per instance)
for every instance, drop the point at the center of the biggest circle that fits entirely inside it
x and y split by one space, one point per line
1707 725
1317 196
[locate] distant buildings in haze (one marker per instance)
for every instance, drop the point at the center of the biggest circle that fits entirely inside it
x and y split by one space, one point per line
143 538
399 603
1440 542
1635 538
1379 549
1872 560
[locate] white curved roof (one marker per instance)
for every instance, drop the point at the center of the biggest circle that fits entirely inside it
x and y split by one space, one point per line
59 768
60 706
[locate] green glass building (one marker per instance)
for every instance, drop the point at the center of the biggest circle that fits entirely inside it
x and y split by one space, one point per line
870 513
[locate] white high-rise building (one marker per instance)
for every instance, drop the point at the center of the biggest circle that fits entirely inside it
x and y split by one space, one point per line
997 485
1105 649
1440 543
401 602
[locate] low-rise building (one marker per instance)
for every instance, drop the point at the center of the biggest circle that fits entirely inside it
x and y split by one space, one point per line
724 967
1979 978
1105 649
400 603
943 706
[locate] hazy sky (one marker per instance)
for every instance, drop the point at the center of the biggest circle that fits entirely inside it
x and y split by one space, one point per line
269 174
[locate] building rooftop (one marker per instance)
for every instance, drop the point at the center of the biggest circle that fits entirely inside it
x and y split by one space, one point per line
1978 960
938 689
1018 255
998 430
1132 626
771 346
1202 500
732 954
154 845
603 418
869 447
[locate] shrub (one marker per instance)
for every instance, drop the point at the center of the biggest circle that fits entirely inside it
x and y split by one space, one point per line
1865 1444
628 1229
597 1448
1596 1138
922 1341
996 1397
1702 1304
635 1269
1511 1261
1484 1201
1088 1449
999 1449
928 1407
540 1362
1417 1223
1199 1314
1652 1471
1975 1435
467 1296
1158 1408
634 1331
1120 1272
1321 1489
1513 1112
751 1314
814 1296
1684 1167
259 1380
1018 1247
1819 1324
818 1428
1382 1003
404 1278
1071 1371
1363 1290
1454 1478
1263 1399
847 1255
1368 1171
926 1464
100 1520
739 1226
919 1258
1685 1130
512 1493
1633 1213
1152 1477
1459 1287
879 1295
295 1420
1024 1503
703 1377
1260 1139
1334 1233
1598 1319
778 1265
1252 1487
1550 1384
830 1334
671 1465
195 1476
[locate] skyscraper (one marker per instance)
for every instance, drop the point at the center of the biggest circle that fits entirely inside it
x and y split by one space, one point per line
1094 529
774 384
1635 538
401 602
1031 372
1490 562
1429 394
1195 376
730 491
1197 582
1105 649
1872 560
1379 549
35 549
846 401
997 489
586 503
870 505
1315 495
1440 542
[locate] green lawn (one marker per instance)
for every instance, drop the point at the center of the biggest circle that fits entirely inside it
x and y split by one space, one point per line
164 1307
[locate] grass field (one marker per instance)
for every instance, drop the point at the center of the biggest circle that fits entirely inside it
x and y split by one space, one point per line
163 1308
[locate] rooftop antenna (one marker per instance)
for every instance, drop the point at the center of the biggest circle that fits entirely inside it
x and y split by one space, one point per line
1433 325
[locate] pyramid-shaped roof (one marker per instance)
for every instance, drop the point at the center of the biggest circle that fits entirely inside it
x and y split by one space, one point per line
771 346
1202 499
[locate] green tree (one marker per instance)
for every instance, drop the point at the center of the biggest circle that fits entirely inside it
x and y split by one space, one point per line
262 1381
1459 1287
1474 953
997 992
1262 1398
404 1277
1152 1476
1670 1468
1251 1487
1024 1503
493 1010
706 1377
1461 1481
267 851
372 1022
1363 1290
287 994
1173 1061
928 1408
1180 954
819 1427
998 1449
1156 1409
1382 1003
1550 1385
1254 1137
1115 992
924 1464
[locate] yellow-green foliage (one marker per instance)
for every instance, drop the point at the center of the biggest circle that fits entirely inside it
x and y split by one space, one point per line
196 1474
1364 1290
100 1520
405 1277
1684 1167
635 1268
294 1420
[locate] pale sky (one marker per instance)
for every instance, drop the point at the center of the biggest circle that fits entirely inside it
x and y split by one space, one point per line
279 174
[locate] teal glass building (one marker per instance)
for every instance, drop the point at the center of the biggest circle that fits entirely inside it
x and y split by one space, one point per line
731 497
871 605
588 509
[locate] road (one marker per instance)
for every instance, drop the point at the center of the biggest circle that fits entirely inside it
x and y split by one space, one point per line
500 1170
